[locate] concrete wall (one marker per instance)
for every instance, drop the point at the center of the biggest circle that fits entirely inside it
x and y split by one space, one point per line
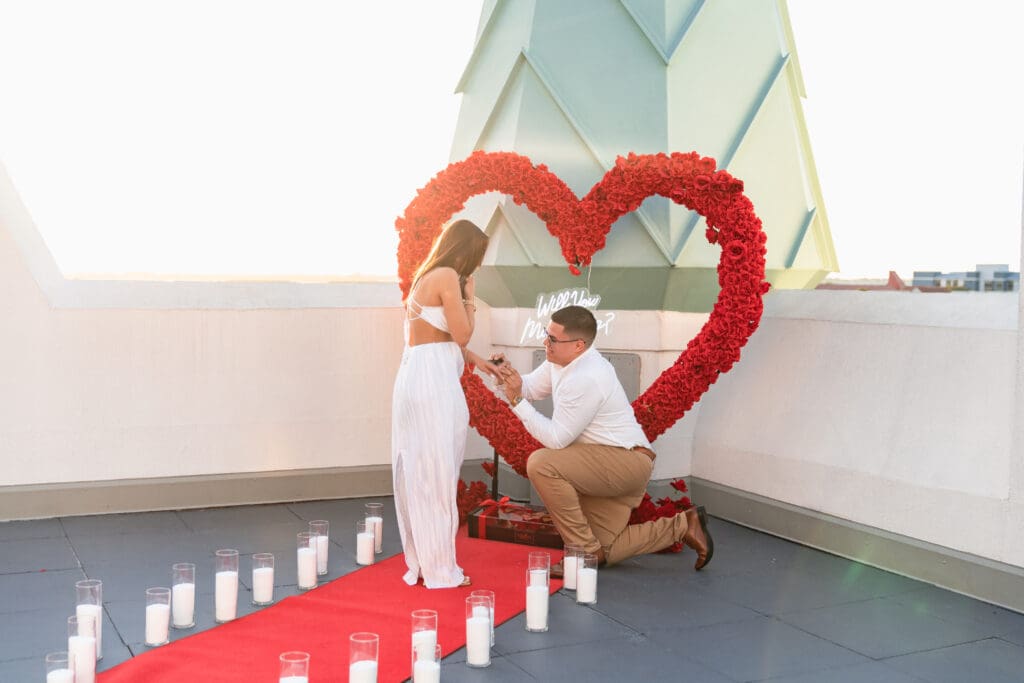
892 410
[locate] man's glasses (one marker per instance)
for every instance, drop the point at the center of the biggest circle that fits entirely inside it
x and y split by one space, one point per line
551 340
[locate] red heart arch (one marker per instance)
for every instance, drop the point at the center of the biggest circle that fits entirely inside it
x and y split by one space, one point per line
581 227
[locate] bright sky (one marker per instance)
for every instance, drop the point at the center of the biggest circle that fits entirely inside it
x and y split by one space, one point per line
915 112
270 137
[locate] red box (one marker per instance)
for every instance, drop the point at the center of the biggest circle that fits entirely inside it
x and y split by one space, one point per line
514 523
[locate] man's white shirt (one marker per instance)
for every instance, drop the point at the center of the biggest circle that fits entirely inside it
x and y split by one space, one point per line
590 405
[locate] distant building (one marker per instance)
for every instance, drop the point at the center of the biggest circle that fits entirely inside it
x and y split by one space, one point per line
986 277
894 284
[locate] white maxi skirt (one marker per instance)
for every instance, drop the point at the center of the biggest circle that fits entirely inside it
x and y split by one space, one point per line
429 424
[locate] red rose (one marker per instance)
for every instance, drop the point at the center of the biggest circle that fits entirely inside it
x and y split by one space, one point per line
735 250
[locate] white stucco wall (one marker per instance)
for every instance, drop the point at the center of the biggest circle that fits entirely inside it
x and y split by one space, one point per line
894 410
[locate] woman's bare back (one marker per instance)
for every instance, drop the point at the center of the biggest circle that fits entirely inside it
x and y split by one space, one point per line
427 294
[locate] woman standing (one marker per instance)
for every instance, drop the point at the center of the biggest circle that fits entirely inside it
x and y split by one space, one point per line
430 419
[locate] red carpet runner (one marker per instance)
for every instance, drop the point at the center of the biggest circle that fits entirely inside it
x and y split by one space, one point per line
372 599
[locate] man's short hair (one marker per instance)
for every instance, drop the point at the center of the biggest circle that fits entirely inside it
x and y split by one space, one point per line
577 321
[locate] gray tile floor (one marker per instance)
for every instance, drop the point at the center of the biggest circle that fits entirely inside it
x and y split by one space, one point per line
764 609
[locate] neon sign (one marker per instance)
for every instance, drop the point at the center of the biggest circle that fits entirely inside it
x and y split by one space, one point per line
535 328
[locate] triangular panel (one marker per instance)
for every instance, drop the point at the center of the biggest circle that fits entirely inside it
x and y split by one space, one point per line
505 247
782 197
503 124
808 254
665 23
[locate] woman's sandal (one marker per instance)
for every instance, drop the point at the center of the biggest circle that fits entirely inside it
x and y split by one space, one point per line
466 581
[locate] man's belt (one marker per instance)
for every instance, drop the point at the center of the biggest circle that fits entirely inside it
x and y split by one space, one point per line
646 451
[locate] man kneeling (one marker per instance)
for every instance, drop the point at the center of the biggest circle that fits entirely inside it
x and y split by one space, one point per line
597 462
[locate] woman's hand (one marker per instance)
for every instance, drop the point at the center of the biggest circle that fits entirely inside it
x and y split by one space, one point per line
492 369
469 289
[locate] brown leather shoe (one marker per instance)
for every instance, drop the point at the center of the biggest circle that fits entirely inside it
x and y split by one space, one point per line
697 536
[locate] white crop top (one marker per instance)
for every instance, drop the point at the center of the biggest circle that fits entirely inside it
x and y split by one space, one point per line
432 315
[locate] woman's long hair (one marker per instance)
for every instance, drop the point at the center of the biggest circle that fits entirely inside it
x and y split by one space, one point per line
460 246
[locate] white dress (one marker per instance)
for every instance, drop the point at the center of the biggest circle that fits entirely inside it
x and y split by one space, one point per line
429 425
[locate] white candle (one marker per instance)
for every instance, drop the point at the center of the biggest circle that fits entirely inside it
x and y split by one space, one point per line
538 577
481 611
321 554
586 585
427 671
364 671
157 621
263 584
293 679
364 547
60 676
225 596
378 531
96 612
307 567
183 604
537 608
423 643
82 658
569 572
478 641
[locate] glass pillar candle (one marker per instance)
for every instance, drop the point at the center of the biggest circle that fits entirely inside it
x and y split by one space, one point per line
320 528
490 607
424 631
262 578
478 632
58 669
364 543
362 657
89 601
294 667
539 566
570 560
586 579
183 595
158 616
537 592
375 521
225 593
82 648
306 557
426 669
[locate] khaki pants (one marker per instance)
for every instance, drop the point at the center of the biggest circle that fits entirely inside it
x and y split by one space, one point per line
590 490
